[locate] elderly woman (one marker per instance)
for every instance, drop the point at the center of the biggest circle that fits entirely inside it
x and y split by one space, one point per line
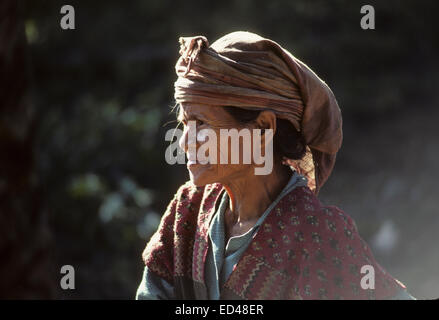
229 233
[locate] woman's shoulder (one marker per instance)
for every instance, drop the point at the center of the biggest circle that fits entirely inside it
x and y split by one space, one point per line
188 192
318 224
332 247
302 199
190 200
188 188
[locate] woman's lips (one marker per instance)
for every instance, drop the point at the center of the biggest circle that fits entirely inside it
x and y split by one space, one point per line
193 163
191 158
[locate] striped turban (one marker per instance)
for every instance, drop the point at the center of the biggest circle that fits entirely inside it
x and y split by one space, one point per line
245 70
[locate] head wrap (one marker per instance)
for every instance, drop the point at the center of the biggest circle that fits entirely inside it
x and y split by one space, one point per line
244 70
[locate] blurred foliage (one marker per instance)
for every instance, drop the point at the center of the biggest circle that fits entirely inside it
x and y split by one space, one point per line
104 91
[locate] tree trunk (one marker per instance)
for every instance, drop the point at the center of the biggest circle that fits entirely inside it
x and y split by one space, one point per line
24 236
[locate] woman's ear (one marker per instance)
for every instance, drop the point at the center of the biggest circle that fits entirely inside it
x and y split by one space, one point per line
263 141
266 120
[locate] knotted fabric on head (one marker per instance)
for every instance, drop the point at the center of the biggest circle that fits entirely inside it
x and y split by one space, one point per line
245 70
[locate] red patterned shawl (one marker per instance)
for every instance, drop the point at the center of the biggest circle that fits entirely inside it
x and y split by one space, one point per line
303 250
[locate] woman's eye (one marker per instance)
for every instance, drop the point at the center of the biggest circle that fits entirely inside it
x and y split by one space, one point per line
200 123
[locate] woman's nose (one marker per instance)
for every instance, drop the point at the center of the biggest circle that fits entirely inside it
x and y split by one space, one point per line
182 142
189 137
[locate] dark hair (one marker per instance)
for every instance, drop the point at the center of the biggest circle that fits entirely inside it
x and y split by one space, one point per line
287 142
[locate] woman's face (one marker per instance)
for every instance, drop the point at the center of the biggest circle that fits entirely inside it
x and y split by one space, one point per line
195 119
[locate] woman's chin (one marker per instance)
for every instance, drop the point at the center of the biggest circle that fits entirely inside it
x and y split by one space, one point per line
200 175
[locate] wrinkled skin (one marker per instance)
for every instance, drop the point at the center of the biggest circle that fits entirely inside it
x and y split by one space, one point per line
250 194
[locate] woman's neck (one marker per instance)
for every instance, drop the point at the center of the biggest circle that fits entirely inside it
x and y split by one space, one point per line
250 195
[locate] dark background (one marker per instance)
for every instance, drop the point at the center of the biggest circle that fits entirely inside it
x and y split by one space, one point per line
98 102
